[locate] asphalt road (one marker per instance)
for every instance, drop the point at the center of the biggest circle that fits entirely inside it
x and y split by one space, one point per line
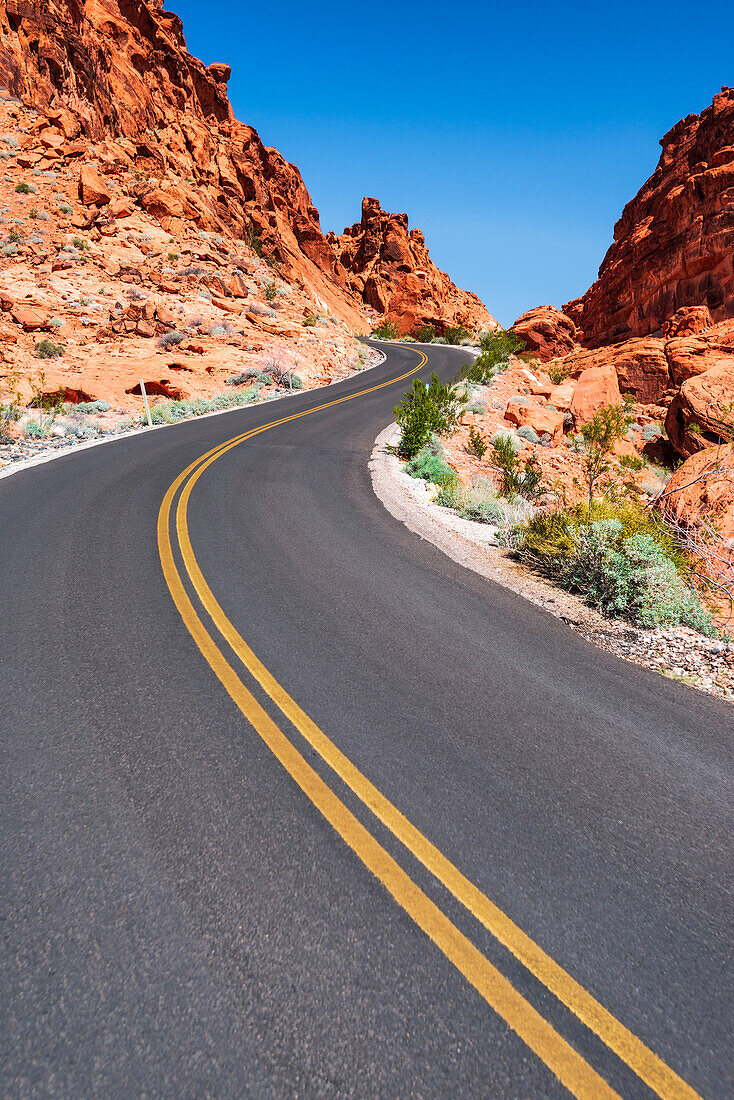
179 919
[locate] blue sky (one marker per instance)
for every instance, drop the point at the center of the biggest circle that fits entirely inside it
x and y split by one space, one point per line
513 135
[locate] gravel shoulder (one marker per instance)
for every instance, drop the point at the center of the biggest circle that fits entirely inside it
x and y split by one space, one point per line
703 663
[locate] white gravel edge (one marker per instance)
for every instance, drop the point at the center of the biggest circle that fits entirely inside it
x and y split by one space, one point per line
409 500
75 447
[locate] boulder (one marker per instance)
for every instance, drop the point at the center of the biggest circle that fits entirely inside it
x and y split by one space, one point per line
122 206
541 418
30 318
93 188
547 332
561 396
702 412
640 365
596 388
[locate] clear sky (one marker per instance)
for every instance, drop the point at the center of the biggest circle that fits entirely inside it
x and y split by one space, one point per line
512 134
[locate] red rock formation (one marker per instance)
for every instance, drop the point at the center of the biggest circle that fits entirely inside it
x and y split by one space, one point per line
548 333
674 244
702 412
116 73
389 266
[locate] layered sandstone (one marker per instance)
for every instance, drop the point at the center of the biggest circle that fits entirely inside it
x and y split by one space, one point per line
674 244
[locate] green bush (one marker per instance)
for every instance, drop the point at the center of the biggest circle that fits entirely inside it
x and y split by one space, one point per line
426 408
631 578
558 371
631 462
600 434
423 334
454 334
386 330
91 407
476 445
430 467
271 292
496 349
620 559
515 481
23 188
310 321
46 349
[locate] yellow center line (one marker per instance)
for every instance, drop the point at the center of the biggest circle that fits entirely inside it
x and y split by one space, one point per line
619 1039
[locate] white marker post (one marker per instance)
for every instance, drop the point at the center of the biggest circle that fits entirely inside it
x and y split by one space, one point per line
145 402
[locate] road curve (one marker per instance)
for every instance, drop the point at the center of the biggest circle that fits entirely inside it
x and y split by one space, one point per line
295 806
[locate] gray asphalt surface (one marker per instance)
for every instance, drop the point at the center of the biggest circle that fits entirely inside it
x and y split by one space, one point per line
177 918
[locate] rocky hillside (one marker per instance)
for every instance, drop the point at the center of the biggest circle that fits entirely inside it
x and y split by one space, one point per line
113 84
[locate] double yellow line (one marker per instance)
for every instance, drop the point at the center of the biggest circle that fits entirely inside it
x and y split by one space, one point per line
566 1063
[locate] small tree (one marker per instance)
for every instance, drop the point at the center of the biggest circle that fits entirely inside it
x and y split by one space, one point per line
424 333
496 349
514 481
600 434
426 408
476 445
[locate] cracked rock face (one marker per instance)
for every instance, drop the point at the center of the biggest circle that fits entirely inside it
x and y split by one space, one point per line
674 244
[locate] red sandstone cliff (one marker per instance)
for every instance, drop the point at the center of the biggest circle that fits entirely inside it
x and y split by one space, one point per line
674 244
117 73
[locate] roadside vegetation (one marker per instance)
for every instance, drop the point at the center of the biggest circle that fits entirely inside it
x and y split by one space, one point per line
613 549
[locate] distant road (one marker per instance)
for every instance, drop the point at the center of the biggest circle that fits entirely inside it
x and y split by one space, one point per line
295 806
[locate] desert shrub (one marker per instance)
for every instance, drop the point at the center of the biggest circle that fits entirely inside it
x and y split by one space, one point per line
425 409
558 371
496 349
170 339
254 239
477 407
631 462
173 256
34 430
9 414
424 333
23 188
57 322
631 578
386 330
439 340
310 320
270 292
65 208
46 349
454 334
291 381
430 467
514 481
481 503
476 445
91 407
249 374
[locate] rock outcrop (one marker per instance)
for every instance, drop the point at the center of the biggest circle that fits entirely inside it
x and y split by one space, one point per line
548 333
115 86
388 265
674 244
